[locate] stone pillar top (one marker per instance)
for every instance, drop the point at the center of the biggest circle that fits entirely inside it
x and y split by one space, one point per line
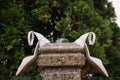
61 61
61 48
61 54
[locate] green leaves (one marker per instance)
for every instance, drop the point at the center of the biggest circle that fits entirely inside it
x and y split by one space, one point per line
55 19
12 33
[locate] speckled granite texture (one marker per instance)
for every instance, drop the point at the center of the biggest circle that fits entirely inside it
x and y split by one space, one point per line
64 59
61 61
61 74
60 48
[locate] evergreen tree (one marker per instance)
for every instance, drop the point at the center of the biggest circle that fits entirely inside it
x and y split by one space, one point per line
57 19
70 19
13 31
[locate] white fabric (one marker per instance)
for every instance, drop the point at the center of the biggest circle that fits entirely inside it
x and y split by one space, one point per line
81 40
91 38
41 41
99 63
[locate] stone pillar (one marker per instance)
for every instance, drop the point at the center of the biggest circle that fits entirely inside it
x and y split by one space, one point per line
61 61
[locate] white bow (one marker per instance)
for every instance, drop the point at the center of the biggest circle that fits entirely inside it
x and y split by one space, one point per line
29 60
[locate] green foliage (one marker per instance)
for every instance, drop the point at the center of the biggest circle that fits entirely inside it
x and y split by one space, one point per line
55 19
12 38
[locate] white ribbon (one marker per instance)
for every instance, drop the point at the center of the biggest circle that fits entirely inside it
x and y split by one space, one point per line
41 39
30 38
27 61
91 38
81 40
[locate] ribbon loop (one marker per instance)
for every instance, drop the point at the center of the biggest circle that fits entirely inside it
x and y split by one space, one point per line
30 38
91 38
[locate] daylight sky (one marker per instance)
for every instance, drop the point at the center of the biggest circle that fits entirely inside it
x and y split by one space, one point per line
116 5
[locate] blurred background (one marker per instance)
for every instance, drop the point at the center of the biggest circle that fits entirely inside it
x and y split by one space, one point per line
57 19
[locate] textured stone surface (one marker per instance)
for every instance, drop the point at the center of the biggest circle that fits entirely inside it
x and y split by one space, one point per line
60 48
61 74
61 61
64 59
